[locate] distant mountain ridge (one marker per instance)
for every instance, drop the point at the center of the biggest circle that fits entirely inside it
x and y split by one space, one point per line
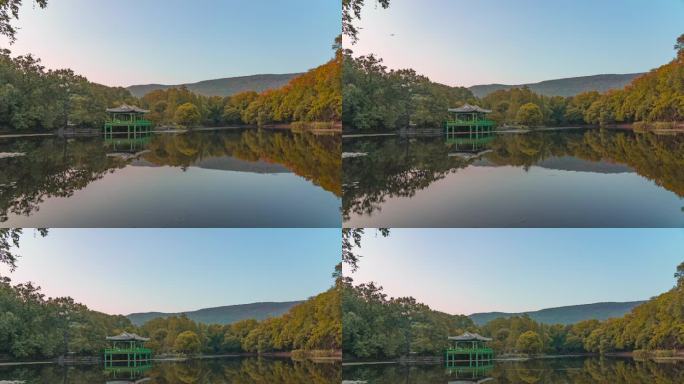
569 86
565 315
226 86
222 315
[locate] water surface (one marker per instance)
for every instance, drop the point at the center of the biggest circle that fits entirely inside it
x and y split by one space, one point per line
209 371
244 178
563 178
546 371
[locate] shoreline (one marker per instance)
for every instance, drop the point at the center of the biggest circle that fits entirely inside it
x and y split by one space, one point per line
91 360
168 129
615 355
429 131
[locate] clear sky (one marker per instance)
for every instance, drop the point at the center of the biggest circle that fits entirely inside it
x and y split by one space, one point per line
129 42
139 270
465 271
466 42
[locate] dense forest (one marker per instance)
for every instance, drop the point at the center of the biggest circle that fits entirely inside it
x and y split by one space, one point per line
33 326
379 327
312 325
375 98
311 97
35 99
378 99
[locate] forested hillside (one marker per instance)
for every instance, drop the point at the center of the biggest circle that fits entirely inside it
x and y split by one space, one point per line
380 100
227 86
379 327
35 99
565 315
222 315
33 326
570 86
375 98
313 96
376 326
312 325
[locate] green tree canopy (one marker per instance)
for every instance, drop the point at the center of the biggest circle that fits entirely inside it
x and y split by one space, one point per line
351 238
351 10
529 114
9 10
529 342
187 342
679 46
9 238
187 115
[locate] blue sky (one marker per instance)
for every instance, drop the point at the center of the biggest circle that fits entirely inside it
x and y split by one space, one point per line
132 270
129 42
465 42
463 271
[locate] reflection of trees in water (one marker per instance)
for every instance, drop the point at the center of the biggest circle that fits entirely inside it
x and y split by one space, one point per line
394 167
316 158
55 167
547 371
655 157
398 167
51 167
235 371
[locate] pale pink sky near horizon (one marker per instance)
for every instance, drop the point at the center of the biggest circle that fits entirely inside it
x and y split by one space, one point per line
465 43
466 271
120 271
131 42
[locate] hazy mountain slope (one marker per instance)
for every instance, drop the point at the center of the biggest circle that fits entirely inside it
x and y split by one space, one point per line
565 315
564 87
223 87
223 315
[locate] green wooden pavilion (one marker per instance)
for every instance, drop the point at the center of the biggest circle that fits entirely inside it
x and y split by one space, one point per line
127 349
126 119
469 349
469 119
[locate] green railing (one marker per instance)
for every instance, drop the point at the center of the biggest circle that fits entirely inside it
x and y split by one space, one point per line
465 123
139 123
124 351
470 351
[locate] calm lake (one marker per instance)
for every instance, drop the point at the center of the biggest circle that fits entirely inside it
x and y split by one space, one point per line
547 371
209 371
227 178
552 178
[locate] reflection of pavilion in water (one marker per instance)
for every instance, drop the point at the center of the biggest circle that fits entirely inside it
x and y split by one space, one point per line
463 375
128 375
469 145
469 359
128 145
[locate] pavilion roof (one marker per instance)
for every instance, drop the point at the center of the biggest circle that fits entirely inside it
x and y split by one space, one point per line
125 336
469 337
125 108
469 108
